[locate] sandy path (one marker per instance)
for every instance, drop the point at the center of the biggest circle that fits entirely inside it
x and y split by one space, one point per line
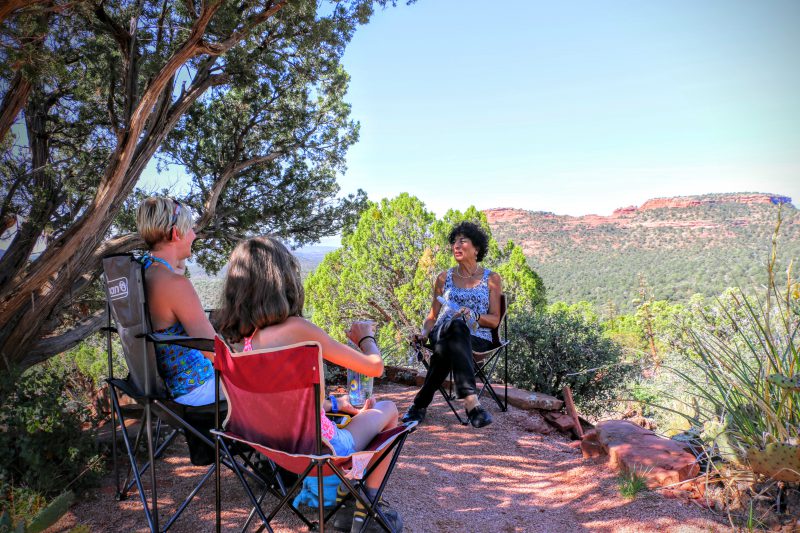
451 478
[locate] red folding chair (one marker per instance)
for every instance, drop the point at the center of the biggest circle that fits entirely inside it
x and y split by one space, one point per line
274 406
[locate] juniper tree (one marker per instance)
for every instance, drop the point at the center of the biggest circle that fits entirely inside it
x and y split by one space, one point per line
386 267
246 95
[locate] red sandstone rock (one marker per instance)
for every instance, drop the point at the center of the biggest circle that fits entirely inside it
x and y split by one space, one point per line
590 435
402 375
660 461
591 449
533 400
562 422
535 424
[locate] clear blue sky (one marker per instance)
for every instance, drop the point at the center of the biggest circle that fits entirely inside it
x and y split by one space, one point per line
575 107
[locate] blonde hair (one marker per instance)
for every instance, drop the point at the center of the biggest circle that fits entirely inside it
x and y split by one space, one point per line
262 288
154 219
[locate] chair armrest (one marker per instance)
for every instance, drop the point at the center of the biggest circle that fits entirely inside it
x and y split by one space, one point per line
194 343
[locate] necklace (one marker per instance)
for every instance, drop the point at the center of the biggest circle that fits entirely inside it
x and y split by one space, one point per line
458 272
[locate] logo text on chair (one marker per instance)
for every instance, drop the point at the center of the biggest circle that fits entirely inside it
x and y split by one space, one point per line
118 288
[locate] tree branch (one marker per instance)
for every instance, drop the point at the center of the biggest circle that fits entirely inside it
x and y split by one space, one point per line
222 47
228 172
50 346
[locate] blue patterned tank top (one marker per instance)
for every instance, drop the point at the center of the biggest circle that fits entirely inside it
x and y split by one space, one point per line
183 369
475 298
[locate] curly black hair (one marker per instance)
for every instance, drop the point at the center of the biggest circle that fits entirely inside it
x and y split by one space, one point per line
474 233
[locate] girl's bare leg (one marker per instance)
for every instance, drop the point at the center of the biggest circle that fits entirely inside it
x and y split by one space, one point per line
368 423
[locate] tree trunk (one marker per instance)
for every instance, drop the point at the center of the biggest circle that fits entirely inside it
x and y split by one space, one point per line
14 101
33 295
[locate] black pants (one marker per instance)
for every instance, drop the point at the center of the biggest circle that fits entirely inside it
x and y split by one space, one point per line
452 350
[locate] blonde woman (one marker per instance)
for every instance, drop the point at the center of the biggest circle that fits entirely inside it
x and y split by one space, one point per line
175 309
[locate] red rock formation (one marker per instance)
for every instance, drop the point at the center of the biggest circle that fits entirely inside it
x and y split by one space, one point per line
629 448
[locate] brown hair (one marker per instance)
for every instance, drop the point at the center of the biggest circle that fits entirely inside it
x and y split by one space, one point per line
157 215
262 288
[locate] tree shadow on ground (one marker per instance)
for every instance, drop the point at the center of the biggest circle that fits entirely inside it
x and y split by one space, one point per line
450 478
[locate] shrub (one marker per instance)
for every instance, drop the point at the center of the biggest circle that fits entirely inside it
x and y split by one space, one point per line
551 350
43 447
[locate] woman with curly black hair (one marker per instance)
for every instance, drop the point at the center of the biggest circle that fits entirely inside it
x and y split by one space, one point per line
463 295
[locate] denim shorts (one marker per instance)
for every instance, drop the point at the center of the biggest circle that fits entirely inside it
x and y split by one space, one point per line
343 443
202 395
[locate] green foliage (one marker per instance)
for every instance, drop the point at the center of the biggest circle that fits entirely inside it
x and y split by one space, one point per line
24 504
631 483
582 309
554 349
625 331
247 97
522 281
43 445
742 359
89 360
735 355
387 265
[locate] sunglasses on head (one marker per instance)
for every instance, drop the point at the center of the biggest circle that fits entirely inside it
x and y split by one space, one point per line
176 211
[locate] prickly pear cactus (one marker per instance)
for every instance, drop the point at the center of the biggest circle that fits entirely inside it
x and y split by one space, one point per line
778 461
716 432
791 383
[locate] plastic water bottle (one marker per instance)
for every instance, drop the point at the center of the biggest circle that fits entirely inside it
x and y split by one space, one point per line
359 386
472 324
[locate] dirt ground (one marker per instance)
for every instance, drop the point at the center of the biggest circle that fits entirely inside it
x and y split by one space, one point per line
451 478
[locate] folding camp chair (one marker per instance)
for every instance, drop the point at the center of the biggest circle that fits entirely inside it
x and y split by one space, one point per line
125 289
274 405
485 366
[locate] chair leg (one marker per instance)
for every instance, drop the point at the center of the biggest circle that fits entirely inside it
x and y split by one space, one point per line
246 486
134 469
152 459
487 385
320 499
114 404
217 486
370 505
211 470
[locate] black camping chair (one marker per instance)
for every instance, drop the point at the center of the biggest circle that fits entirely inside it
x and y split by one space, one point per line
485 365
161 420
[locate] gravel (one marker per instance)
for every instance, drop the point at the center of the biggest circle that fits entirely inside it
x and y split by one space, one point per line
450 478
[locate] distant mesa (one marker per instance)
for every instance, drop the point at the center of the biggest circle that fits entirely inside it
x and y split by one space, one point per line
681 246
709 218
508 214
712 199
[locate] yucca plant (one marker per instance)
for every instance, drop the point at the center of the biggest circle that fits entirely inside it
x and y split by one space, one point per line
744 375
748 372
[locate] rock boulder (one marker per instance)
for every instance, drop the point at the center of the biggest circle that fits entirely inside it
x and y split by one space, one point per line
632 448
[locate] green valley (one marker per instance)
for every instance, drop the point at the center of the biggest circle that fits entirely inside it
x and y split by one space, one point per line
678 246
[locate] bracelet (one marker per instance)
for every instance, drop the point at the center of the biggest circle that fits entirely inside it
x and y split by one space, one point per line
334 404
365 337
